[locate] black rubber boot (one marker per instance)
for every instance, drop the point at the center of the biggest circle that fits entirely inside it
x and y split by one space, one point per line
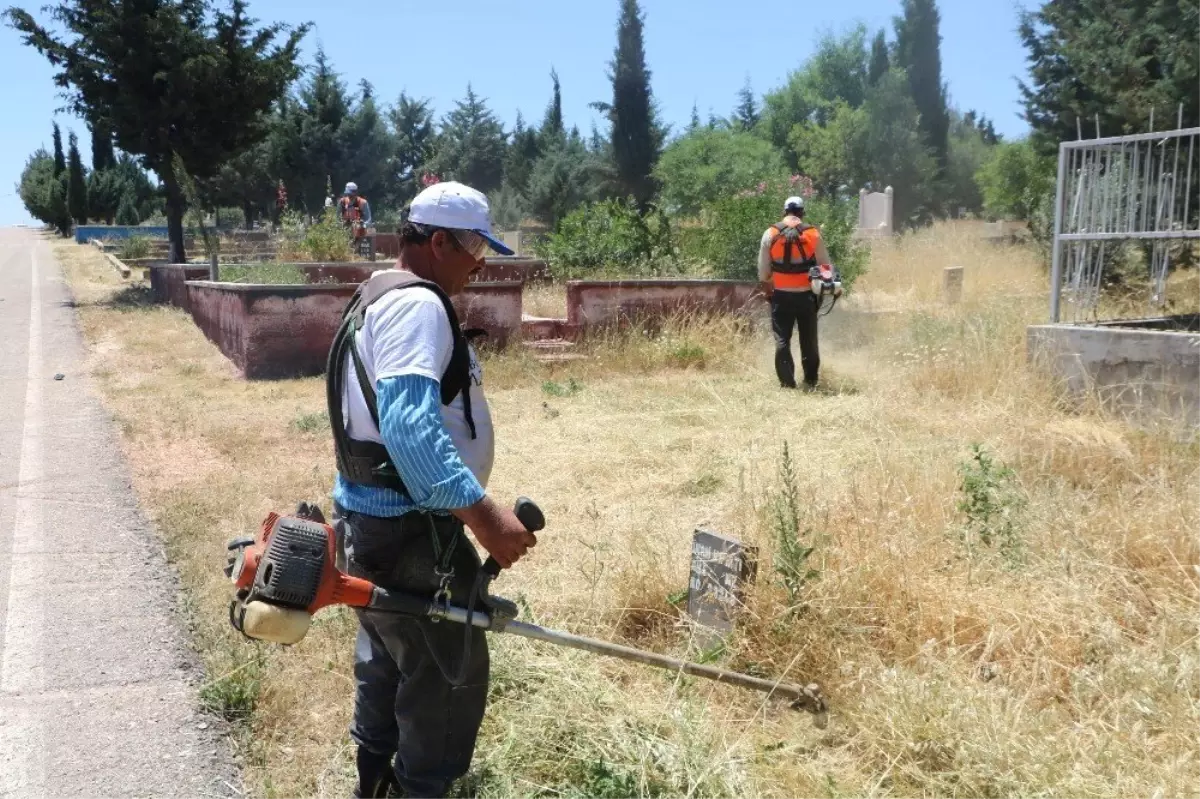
375 777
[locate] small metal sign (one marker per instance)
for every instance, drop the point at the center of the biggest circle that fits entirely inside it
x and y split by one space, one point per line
721 569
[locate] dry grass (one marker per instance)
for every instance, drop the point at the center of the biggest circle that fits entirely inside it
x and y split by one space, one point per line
545 300
1071 671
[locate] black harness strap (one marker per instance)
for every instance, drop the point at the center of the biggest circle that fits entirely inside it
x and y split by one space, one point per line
368 462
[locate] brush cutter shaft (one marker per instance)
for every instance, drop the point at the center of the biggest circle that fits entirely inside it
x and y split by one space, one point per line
414 606
794 692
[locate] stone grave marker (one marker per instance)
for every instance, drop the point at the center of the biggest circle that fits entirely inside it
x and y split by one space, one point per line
721 569
875 212
952 284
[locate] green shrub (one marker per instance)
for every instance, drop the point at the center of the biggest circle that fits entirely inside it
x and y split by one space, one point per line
325 240
609 238
134 247
1015 181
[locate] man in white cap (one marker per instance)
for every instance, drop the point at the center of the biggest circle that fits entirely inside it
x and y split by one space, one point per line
788 249
414 446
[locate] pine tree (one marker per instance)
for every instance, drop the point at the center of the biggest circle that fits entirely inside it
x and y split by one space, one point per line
60 161
918 52
522 155
636 142
324 108
880 63
76 183
746 115
413 138
694 124
127 213
471 145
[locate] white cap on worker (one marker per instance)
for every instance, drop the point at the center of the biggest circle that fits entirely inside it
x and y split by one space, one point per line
351 187
453 205
793 202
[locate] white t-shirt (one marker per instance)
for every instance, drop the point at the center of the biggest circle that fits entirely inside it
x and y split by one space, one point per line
405 332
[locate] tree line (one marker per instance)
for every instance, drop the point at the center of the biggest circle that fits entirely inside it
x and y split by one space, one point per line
250 126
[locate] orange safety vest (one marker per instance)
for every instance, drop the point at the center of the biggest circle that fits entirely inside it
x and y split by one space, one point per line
350 208
793 253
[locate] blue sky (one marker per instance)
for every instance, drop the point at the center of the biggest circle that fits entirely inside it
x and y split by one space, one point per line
698 51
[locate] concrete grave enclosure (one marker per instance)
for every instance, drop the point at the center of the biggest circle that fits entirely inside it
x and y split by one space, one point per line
1148 367
285 331
280 331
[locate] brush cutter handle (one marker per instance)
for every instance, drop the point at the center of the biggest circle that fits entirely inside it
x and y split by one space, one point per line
531 516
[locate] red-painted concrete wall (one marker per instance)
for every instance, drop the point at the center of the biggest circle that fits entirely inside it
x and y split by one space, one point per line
501 268
603 303
168 282
286 331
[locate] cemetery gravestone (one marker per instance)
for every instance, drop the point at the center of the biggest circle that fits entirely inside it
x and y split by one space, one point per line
952 284
721 569
875 212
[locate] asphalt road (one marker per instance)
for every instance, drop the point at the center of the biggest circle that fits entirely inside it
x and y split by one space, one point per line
98 687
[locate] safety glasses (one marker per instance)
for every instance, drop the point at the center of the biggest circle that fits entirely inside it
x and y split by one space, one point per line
473 244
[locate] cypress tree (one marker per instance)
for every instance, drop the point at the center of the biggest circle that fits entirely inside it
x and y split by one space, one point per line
60 161
635 142
880 63
76 184
918 53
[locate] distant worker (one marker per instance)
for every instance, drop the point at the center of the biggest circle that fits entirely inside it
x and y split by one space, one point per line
789 249
354 210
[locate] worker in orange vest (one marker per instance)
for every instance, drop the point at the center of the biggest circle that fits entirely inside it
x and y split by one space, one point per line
355 211
790 248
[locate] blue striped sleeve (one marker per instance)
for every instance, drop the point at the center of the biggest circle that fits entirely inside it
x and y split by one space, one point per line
410 422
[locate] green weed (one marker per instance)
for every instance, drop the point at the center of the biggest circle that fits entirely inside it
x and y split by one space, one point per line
311 422
993 504
234 694
792 555
568 389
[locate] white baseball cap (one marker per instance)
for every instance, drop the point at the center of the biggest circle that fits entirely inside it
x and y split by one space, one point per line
351 187
453 205
793 202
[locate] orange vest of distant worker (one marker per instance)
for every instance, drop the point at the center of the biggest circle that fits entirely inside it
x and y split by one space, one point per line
793 253
350 208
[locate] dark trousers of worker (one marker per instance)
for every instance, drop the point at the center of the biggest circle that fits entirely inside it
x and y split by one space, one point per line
405 701
798 310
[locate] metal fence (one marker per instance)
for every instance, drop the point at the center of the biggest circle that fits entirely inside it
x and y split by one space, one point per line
1115 190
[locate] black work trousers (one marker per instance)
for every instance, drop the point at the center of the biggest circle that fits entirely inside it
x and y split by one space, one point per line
795 309
406 702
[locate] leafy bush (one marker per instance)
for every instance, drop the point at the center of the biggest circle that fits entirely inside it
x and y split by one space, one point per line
134 247
705 164
609 238
325 240
1015 181
734 227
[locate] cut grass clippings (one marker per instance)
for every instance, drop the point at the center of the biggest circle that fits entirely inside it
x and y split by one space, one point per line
951 669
